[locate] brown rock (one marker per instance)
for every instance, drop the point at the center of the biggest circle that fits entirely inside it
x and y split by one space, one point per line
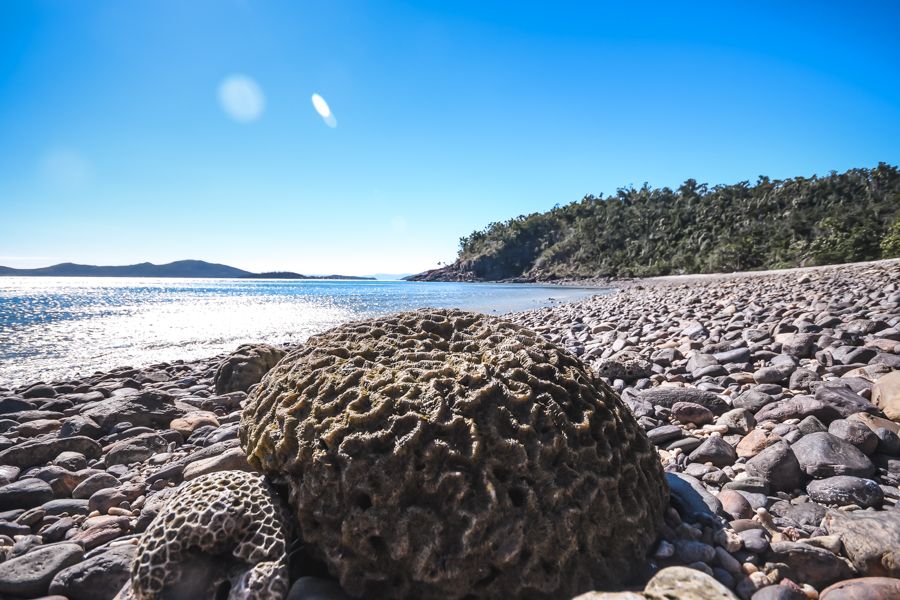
813 565
103 500
863 588
691 412
38 427
735 504
869 372
871 540
231 460
97 535
755 442
191 421
875 422
886 395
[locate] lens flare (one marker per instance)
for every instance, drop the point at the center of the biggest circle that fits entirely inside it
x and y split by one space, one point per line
241 98
324 111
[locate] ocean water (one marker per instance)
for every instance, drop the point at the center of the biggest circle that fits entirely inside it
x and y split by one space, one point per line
59 328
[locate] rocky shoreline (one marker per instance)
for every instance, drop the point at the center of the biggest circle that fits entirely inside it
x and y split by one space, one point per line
773 399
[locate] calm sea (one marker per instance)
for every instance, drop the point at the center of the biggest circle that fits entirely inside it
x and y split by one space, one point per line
52 329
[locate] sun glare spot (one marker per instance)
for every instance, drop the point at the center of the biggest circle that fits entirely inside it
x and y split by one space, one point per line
324 111
241 98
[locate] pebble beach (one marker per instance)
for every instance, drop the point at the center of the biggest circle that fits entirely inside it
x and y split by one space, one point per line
773 400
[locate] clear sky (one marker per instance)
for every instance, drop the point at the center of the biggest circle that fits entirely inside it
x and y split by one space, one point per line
164 130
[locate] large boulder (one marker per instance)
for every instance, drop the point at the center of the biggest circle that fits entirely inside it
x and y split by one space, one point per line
245 367
445 454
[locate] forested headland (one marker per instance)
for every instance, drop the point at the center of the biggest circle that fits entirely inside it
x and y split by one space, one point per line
697 228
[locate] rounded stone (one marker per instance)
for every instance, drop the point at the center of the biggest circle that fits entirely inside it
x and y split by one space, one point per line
845 489
187 424
888 441
686 584
863 588
823 455
103 500
714 450
97 578
72 461
94 483
29 575
737 420
439 453
778 592
27 492
777 465
245 367
691 412
315 588
871 539
625 365
855 432
735 504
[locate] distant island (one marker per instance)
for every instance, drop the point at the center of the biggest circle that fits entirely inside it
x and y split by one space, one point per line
180 269
643 232
292 275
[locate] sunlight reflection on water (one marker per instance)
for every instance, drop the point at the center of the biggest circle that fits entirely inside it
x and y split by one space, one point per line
53 329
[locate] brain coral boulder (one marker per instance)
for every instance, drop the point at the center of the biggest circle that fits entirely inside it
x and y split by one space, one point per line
445 454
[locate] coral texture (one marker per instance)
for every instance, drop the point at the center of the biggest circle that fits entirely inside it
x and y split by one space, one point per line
222 535
445 454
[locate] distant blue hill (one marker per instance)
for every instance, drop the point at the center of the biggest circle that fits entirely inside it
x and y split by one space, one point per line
389 276
180 268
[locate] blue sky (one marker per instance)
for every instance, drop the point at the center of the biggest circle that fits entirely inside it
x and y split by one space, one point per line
115 146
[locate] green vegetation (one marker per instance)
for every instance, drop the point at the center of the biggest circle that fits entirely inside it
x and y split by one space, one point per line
844 217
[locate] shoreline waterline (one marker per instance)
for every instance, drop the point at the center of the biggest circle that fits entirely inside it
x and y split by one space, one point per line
58 328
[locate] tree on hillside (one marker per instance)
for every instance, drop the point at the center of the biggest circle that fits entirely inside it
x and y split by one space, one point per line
644 231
